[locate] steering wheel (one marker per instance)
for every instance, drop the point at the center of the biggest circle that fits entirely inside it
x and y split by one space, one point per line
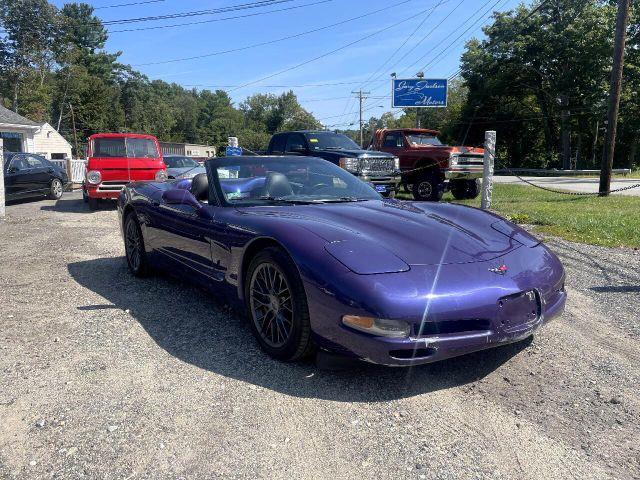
319 186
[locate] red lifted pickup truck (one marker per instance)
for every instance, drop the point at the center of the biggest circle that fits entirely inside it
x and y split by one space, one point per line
429 167
116 159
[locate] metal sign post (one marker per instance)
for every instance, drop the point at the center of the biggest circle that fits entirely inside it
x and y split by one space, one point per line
2 208
487 175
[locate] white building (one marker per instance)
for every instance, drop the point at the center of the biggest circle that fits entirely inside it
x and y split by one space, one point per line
49 143
188 149
19 134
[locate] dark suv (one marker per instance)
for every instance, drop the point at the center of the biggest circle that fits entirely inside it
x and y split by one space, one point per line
379 168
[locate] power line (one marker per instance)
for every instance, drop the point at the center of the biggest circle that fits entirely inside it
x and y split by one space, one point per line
270 42
128 4
195 13
304 85
368 80
331 52
224 19
460 36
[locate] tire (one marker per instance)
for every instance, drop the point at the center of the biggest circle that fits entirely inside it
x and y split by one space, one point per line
465 189
134 247
473 188
273 290
85 197
55 189
428 188
93 203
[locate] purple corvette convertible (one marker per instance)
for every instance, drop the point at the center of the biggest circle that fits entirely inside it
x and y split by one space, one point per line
320 260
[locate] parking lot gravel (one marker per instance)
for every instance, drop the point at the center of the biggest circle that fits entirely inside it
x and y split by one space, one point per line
103 375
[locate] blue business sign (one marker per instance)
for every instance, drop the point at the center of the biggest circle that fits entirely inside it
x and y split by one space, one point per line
418 93
233 151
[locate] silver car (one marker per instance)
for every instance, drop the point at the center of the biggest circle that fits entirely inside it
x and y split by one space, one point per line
179 166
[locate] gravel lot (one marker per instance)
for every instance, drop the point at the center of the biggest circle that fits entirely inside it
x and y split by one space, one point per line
107 376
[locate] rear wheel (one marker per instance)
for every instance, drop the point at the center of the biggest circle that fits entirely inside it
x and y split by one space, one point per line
277 306
55 189
465 189
428 188
134 246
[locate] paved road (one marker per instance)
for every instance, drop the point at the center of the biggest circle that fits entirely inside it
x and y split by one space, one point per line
574 184
103 375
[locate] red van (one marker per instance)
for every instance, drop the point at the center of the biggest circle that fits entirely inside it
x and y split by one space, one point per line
116 159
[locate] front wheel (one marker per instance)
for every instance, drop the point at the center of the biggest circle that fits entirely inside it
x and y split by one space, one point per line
277 306
134 247
428 188
55 189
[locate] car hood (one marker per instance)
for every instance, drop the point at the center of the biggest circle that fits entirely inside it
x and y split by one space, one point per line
418 234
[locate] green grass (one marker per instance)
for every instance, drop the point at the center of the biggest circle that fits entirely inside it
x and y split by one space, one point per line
610 221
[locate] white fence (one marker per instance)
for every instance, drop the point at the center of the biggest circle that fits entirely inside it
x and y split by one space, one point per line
77 167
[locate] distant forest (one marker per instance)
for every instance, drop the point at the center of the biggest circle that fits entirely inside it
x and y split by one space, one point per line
540 78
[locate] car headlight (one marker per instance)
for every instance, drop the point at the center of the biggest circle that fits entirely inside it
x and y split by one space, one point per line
161 176
349 164
396 163
453 160
94 177
378 326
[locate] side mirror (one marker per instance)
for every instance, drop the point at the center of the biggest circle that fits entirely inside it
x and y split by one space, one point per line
179 196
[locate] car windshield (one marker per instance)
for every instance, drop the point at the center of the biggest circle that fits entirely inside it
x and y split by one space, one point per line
330 141
418 139
124 147
180 162
264 180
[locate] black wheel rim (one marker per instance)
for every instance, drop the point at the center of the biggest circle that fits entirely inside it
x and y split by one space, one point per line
56 188
271 305
133 246
424 189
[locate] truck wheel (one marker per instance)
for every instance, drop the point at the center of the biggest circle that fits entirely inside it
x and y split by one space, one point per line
473 188
465 189
428 188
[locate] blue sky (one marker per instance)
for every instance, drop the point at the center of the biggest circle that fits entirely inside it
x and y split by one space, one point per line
409 32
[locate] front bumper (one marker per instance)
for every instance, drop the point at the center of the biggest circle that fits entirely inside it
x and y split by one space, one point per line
463 173
390 183
105 190
417 350
465 307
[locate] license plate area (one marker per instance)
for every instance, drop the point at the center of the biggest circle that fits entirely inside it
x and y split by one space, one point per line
520 311
381 188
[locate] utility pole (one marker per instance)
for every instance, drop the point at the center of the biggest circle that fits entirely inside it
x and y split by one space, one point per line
361 98
75 135
614 96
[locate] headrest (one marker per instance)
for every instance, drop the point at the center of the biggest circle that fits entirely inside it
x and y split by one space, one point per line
200 187
277 185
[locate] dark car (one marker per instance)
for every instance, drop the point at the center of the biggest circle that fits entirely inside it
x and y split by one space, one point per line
320 260
31 175
379 168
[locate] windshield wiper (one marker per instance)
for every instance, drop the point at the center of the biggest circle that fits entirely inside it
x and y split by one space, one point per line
287 200
343 200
